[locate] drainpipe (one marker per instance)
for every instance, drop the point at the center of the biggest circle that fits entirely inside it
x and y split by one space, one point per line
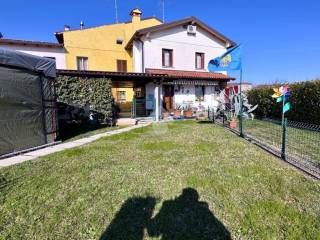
142 44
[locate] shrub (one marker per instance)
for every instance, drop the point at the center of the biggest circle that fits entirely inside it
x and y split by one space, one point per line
305 100
82 91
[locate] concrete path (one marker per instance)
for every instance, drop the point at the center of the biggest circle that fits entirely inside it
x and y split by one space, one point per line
63 146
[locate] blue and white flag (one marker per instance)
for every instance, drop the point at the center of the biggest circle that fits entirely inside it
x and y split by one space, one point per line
231 60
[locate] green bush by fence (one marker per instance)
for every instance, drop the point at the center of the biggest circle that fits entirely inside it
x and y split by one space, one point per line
80 91
305 100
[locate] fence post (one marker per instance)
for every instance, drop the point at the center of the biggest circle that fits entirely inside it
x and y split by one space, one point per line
284 138
223 119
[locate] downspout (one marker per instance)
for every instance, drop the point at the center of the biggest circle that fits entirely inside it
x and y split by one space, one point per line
142 52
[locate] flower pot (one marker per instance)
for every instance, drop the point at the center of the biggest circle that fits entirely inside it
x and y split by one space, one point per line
177 114
188 114
165 115
233 124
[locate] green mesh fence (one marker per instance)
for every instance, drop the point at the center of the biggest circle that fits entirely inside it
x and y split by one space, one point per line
266 132
303 142
301 145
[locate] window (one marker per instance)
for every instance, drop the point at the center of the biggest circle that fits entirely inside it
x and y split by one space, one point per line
138 92
167 57
199 92
121 65
122 96
119 41
82 63
199 60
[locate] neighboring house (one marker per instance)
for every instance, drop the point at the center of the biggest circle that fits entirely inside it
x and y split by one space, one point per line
42 49
102 48
170 60
234 88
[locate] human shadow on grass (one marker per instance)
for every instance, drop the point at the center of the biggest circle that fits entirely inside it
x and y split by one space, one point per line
184 217
131 220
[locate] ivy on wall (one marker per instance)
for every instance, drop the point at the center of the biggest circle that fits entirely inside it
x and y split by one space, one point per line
305 100
81 91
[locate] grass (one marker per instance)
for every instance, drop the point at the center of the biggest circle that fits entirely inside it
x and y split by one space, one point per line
177 180
300 143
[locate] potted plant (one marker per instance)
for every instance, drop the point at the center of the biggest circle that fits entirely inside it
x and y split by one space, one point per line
187 111
232 119
177 113
165 115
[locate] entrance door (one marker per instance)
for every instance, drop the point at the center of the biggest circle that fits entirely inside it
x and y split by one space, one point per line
168 92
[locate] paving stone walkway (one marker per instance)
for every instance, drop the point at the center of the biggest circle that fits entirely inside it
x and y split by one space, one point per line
63 146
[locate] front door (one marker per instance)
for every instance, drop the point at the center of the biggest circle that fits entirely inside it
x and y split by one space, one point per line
168 92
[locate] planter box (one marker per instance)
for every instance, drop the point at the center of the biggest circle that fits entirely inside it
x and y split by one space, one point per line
233 124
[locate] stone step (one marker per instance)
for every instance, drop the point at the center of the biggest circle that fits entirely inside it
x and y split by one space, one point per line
126 121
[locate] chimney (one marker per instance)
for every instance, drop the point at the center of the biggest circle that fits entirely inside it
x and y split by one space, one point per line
66 28
136 17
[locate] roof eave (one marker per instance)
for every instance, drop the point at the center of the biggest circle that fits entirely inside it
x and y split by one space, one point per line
59 37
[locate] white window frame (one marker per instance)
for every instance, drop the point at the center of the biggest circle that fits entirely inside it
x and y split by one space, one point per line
82 63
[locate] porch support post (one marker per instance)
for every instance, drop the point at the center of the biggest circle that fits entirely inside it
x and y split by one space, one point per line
157 100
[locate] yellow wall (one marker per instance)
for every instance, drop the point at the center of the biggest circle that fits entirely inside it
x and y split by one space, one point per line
99 44
129 93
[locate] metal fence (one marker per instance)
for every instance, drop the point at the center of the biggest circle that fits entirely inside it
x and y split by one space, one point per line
295 142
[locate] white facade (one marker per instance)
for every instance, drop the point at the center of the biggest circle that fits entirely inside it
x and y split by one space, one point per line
185 94
57 53
147 54
184 46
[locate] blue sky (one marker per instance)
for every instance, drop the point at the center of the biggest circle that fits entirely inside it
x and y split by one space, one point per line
280 37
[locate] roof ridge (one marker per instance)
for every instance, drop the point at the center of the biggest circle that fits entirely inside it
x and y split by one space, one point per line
109 24
169 25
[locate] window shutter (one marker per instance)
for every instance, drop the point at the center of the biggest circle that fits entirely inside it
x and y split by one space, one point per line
121 65
171 58
124 65
163 57
202 60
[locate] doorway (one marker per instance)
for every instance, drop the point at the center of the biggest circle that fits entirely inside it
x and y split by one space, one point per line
168 93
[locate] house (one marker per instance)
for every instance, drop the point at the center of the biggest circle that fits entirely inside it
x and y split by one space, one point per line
102 48
50 50
155 67
235 87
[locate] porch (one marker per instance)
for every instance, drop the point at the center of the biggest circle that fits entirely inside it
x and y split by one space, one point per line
158 94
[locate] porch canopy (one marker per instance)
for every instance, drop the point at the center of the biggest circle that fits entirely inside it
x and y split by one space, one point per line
157 76
129 79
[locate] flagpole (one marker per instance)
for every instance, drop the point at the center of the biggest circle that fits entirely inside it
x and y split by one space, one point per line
240 114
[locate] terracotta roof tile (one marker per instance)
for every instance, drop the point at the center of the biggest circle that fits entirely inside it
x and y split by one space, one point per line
190 74
29 43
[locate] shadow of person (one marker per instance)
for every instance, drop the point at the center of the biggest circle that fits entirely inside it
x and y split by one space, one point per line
131 220
187 218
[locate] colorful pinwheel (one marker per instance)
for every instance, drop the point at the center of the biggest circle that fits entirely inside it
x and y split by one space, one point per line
282 94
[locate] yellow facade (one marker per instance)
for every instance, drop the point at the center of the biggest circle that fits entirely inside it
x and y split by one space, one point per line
99 44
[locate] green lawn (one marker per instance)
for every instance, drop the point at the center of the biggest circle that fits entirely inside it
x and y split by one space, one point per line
179 180
300 143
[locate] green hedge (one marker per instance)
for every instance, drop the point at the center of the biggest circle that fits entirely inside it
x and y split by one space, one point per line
305 100
82 90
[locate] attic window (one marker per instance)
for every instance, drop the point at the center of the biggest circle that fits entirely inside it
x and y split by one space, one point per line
119 41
